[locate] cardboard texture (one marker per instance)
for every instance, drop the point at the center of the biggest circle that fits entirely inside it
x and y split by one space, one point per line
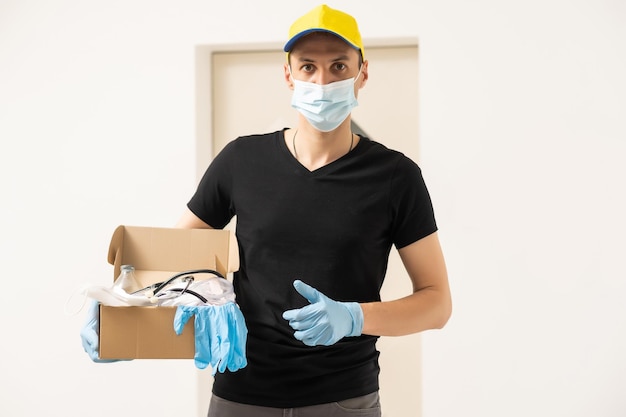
157 254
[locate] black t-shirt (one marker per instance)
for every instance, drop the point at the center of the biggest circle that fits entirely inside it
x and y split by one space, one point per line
332 228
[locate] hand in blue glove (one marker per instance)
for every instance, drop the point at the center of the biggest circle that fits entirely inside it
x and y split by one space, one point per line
220 335
324 321
90 336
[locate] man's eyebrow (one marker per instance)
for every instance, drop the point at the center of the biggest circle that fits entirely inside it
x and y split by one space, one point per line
339 58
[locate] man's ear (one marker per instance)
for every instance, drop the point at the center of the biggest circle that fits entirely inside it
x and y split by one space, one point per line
287 75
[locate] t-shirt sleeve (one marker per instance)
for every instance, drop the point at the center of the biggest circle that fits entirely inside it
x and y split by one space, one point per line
413 214
212 201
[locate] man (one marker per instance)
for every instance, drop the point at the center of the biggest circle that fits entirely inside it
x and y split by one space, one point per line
318 209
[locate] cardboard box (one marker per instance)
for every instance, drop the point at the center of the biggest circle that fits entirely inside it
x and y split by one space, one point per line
157 254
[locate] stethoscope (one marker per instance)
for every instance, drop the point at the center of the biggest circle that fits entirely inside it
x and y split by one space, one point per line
158 289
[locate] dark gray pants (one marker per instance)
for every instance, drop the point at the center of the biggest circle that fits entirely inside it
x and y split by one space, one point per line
365 406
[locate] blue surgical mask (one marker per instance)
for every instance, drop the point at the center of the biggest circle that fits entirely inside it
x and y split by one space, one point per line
324 106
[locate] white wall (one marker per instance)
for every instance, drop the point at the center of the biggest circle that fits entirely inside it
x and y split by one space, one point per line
522 107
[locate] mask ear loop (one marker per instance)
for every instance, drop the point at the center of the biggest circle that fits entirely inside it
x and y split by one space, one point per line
358 73
293 80
80 291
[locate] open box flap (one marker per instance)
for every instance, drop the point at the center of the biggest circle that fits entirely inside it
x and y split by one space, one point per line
157 253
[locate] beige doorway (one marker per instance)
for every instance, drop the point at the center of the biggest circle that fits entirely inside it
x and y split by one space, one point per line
241 90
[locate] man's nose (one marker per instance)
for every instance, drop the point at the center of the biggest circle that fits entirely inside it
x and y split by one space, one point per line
323 77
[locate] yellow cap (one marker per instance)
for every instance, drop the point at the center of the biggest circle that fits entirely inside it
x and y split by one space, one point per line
324 19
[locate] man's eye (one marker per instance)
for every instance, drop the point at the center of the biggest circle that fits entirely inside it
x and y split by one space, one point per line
340 67
307 68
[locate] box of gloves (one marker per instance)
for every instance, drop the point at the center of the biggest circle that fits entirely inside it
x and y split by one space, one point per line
169 267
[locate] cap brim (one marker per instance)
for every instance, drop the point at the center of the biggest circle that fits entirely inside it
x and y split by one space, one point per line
290 44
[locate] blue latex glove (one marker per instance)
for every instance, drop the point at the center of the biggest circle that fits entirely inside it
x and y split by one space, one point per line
89 334
324 321
220 335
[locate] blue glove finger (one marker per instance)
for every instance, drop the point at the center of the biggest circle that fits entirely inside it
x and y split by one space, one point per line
89 335
89 340
306 317
308 292
212 335
240 361
232 337
89 331
314 337
315 328
224 342
202 329
182 316
229 359
291 314
237 328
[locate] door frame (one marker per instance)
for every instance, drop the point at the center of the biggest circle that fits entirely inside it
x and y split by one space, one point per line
204 83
